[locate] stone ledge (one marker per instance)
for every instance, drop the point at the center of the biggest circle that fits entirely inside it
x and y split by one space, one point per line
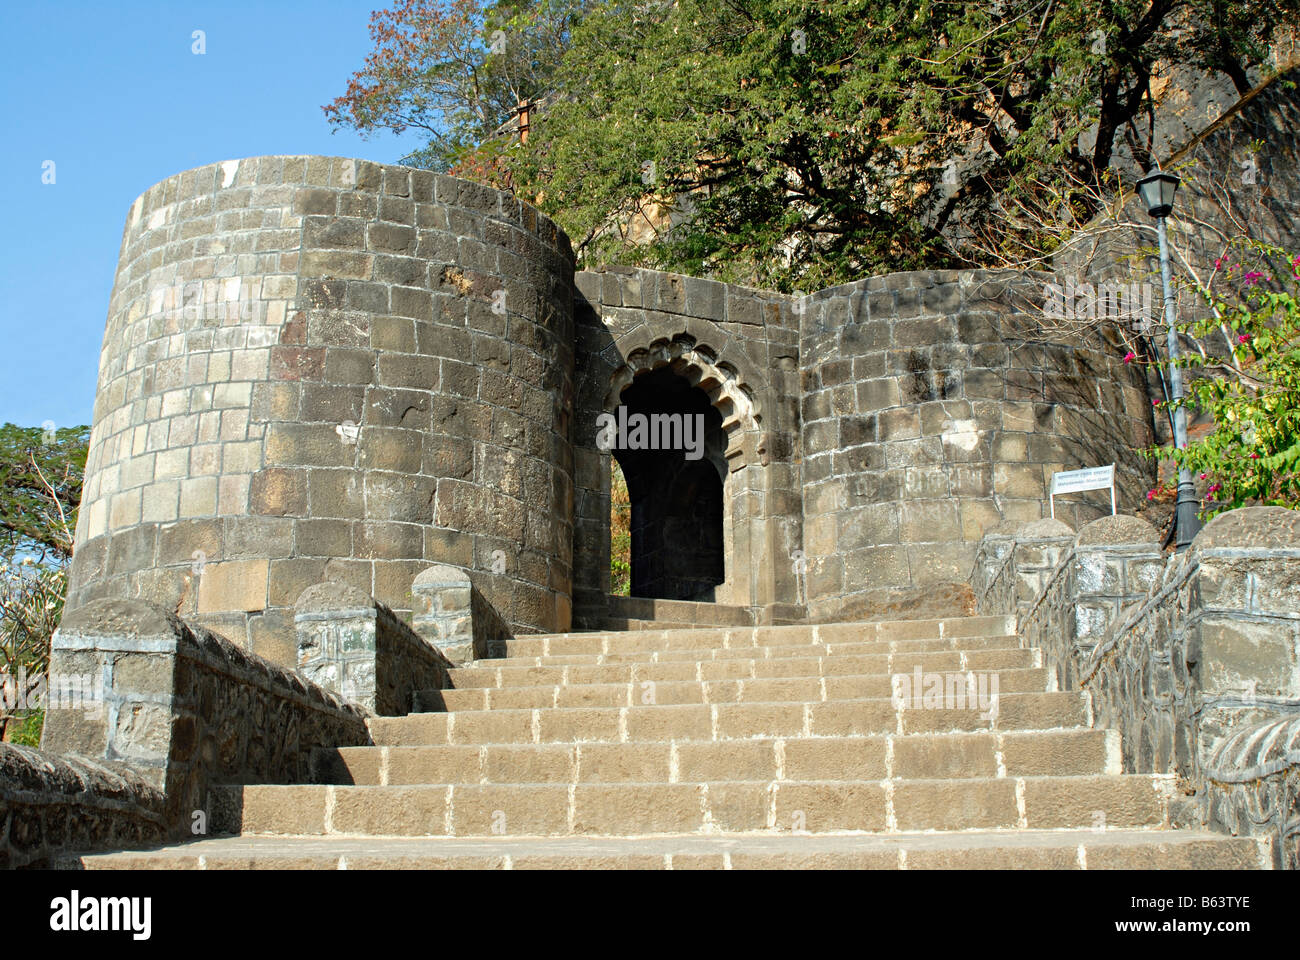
52 805
188 709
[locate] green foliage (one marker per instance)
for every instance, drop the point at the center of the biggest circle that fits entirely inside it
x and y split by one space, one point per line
794 143
788 143
27 731
41 476
41 473
455 70
1251 389
620 525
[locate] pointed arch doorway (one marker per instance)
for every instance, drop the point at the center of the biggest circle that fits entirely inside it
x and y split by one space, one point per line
676 494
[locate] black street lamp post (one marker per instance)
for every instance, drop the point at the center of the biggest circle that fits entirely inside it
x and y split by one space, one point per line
1157 190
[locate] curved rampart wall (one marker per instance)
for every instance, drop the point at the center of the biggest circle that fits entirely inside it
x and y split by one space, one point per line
937 405
321 368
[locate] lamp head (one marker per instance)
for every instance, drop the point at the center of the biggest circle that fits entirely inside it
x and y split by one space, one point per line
1157 191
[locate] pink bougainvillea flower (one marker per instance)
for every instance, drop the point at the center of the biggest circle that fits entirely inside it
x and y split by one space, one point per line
1155 403
1130 357
1251 278
1204 475
1243 338
1295 265
1254 456
1151 494
1219 262
1215 488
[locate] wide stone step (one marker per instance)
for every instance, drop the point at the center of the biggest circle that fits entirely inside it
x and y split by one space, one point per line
728 721
638 809
923 757
1141 849
974 684
629 613
542 645
803 651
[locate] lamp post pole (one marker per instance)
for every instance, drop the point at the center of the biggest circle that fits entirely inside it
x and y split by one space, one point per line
1186 523
1157 190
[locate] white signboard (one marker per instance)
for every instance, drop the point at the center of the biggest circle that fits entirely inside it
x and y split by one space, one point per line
1076 481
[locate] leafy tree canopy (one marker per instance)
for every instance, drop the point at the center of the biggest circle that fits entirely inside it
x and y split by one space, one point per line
41 475
798 143
455 70
786 142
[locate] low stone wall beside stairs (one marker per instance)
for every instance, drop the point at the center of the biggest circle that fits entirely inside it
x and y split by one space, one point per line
1193 658
51 804
350 643
1014 563
152 712
1111 564
184 708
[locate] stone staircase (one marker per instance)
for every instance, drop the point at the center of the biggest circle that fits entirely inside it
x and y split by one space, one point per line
730 747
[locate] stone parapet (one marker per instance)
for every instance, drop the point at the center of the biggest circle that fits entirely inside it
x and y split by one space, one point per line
1111 565
1253 787
1193 658
184 707
1211 650
51 804
352 644
1015 562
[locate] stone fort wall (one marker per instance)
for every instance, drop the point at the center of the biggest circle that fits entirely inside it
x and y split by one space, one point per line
935 407
741 347
326 369
319 368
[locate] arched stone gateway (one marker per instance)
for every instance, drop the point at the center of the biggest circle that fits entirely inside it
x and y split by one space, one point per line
407 371
698 365
683 503
677 488
656 345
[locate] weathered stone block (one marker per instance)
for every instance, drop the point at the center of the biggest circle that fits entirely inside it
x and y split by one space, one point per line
233 585
170 688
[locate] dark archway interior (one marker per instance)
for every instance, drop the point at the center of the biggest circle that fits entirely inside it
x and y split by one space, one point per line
677 543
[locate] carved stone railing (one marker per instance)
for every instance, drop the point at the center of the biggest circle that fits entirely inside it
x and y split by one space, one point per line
1201 678
173 709
1193 658
352 644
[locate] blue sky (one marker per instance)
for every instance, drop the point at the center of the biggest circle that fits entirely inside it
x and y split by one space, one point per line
112 93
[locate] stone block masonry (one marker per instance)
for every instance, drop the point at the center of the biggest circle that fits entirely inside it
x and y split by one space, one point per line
740 347
185 708
934 409
326 369
349 643
50 805
1193 658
